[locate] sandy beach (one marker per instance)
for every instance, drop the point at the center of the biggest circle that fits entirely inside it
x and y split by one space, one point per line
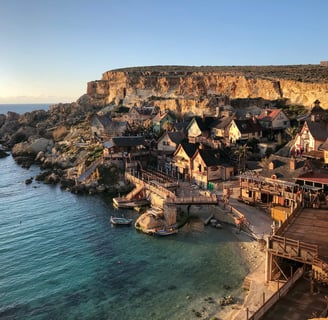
254 257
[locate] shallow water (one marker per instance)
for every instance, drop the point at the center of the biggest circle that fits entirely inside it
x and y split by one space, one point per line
61 259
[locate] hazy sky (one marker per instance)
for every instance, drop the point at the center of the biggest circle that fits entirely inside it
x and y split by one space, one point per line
50 49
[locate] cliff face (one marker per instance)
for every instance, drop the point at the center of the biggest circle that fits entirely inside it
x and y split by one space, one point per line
194 88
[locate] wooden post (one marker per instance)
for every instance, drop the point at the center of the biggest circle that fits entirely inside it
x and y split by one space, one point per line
247 314
263 302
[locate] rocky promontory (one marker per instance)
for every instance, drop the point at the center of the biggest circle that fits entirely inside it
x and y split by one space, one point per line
186 88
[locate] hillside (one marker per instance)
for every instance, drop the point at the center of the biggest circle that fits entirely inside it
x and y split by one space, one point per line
198 89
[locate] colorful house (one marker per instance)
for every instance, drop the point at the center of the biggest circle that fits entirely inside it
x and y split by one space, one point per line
274 119
199 127
209 166
312 136
161 121
243 130
182 159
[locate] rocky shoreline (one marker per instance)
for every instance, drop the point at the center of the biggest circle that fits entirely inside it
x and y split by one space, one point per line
59 141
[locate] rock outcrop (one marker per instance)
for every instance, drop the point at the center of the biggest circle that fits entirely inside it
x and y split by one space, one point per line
184 88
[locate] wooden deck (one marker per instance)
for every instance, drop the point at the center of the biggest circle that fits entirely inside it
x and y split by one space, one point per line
311 226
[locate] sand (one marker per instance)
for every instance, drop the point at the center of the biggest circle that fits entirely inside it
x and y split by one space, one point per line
254 256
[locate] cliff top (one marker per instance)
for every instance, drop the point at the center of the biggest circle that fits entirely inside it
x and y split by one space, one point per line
302 73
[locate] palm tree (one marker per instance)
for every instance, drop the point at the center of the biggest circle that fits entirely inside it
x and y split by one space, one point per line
291 131
241 153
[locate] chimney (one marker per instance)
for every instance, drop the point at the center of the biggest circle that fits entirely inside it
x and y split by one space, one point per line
292 164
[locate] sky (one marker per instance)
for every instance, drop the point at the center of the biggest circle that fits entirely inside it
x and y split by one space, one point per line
51 49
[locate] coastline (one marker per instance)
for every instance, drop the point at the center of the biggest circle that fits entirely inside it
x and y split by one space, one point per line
254 257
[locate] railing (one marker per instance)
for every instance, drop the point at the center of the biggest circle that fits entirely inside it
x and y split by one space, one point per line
276 296
294 249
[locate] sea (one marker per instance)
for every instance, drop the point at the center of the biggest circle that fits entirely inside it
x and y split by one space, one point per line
60 258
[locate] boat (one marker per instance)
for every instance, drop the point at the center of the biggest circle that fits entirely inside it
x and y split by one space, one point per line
120 221
165 232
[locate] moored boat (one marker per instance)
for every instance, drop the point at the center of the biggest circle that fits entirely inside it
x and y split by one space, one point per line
120 221
165 232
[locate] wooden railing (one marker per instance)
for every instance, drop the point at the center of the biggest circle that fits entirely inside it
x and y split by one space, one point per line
276 296
212 199
293 249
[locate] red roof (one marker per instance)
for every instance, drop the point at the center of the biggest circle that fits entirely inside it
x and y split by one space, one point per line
269 114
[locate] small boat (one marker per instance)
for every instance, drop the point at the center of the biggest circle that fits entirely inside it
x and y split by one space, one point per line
120 221
165 232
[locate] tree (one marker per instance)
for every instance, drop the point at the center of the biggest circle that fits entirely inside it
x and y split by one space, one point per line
291 131
242 152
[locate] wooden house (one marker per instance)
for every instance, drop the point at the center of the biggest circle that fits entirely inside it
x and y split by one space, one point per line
138 115
182 159
209 166
169 141
103 127
124 149
274 119
199 127
313 134
243 130
162 121
220 127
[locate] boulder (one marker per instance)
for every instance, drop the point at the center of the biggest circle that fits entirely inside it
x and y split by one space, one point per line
3 154
41 144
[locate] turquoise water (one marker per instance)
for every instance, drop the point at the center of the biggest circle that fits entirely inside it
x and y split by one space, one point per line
61 259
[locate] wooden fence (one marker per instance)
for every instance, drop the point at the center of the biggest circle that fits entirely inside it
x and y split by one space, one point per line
276 296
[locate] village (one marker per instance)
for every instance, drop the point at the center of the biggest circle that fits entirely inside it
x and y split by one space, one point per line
276 163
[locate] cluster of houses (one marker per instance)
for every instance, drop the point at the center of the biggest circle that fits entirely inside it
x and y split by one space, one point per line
203 149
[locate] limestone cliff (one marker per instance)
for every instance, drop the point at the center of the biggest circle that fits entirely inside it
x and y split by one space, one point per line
186 89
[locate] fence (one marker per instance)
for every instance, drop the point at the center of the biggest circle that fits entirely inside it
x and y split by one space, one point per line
276 296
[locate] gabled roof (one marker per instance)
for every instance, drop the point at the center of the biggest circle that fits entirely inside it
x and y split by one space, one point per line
125 141
147 111
269 114
103 119
318 130
188 148
212 157
222 122
176 136
202 122
248 126
160 116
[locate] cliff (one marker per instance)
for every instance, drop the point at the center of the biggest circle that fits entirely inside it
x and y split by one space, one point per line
184 88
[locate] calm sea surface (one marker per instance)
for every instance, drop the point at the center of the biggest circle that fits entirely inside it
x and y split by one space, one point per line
61 259
22 108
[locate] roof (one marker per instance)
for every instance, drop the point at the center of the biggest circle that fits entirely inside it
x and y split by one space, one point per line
147 111
203 122
160 116
176 136
222 122
189 148
125 141
282 168
212 157
318 130
248 126
269 114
